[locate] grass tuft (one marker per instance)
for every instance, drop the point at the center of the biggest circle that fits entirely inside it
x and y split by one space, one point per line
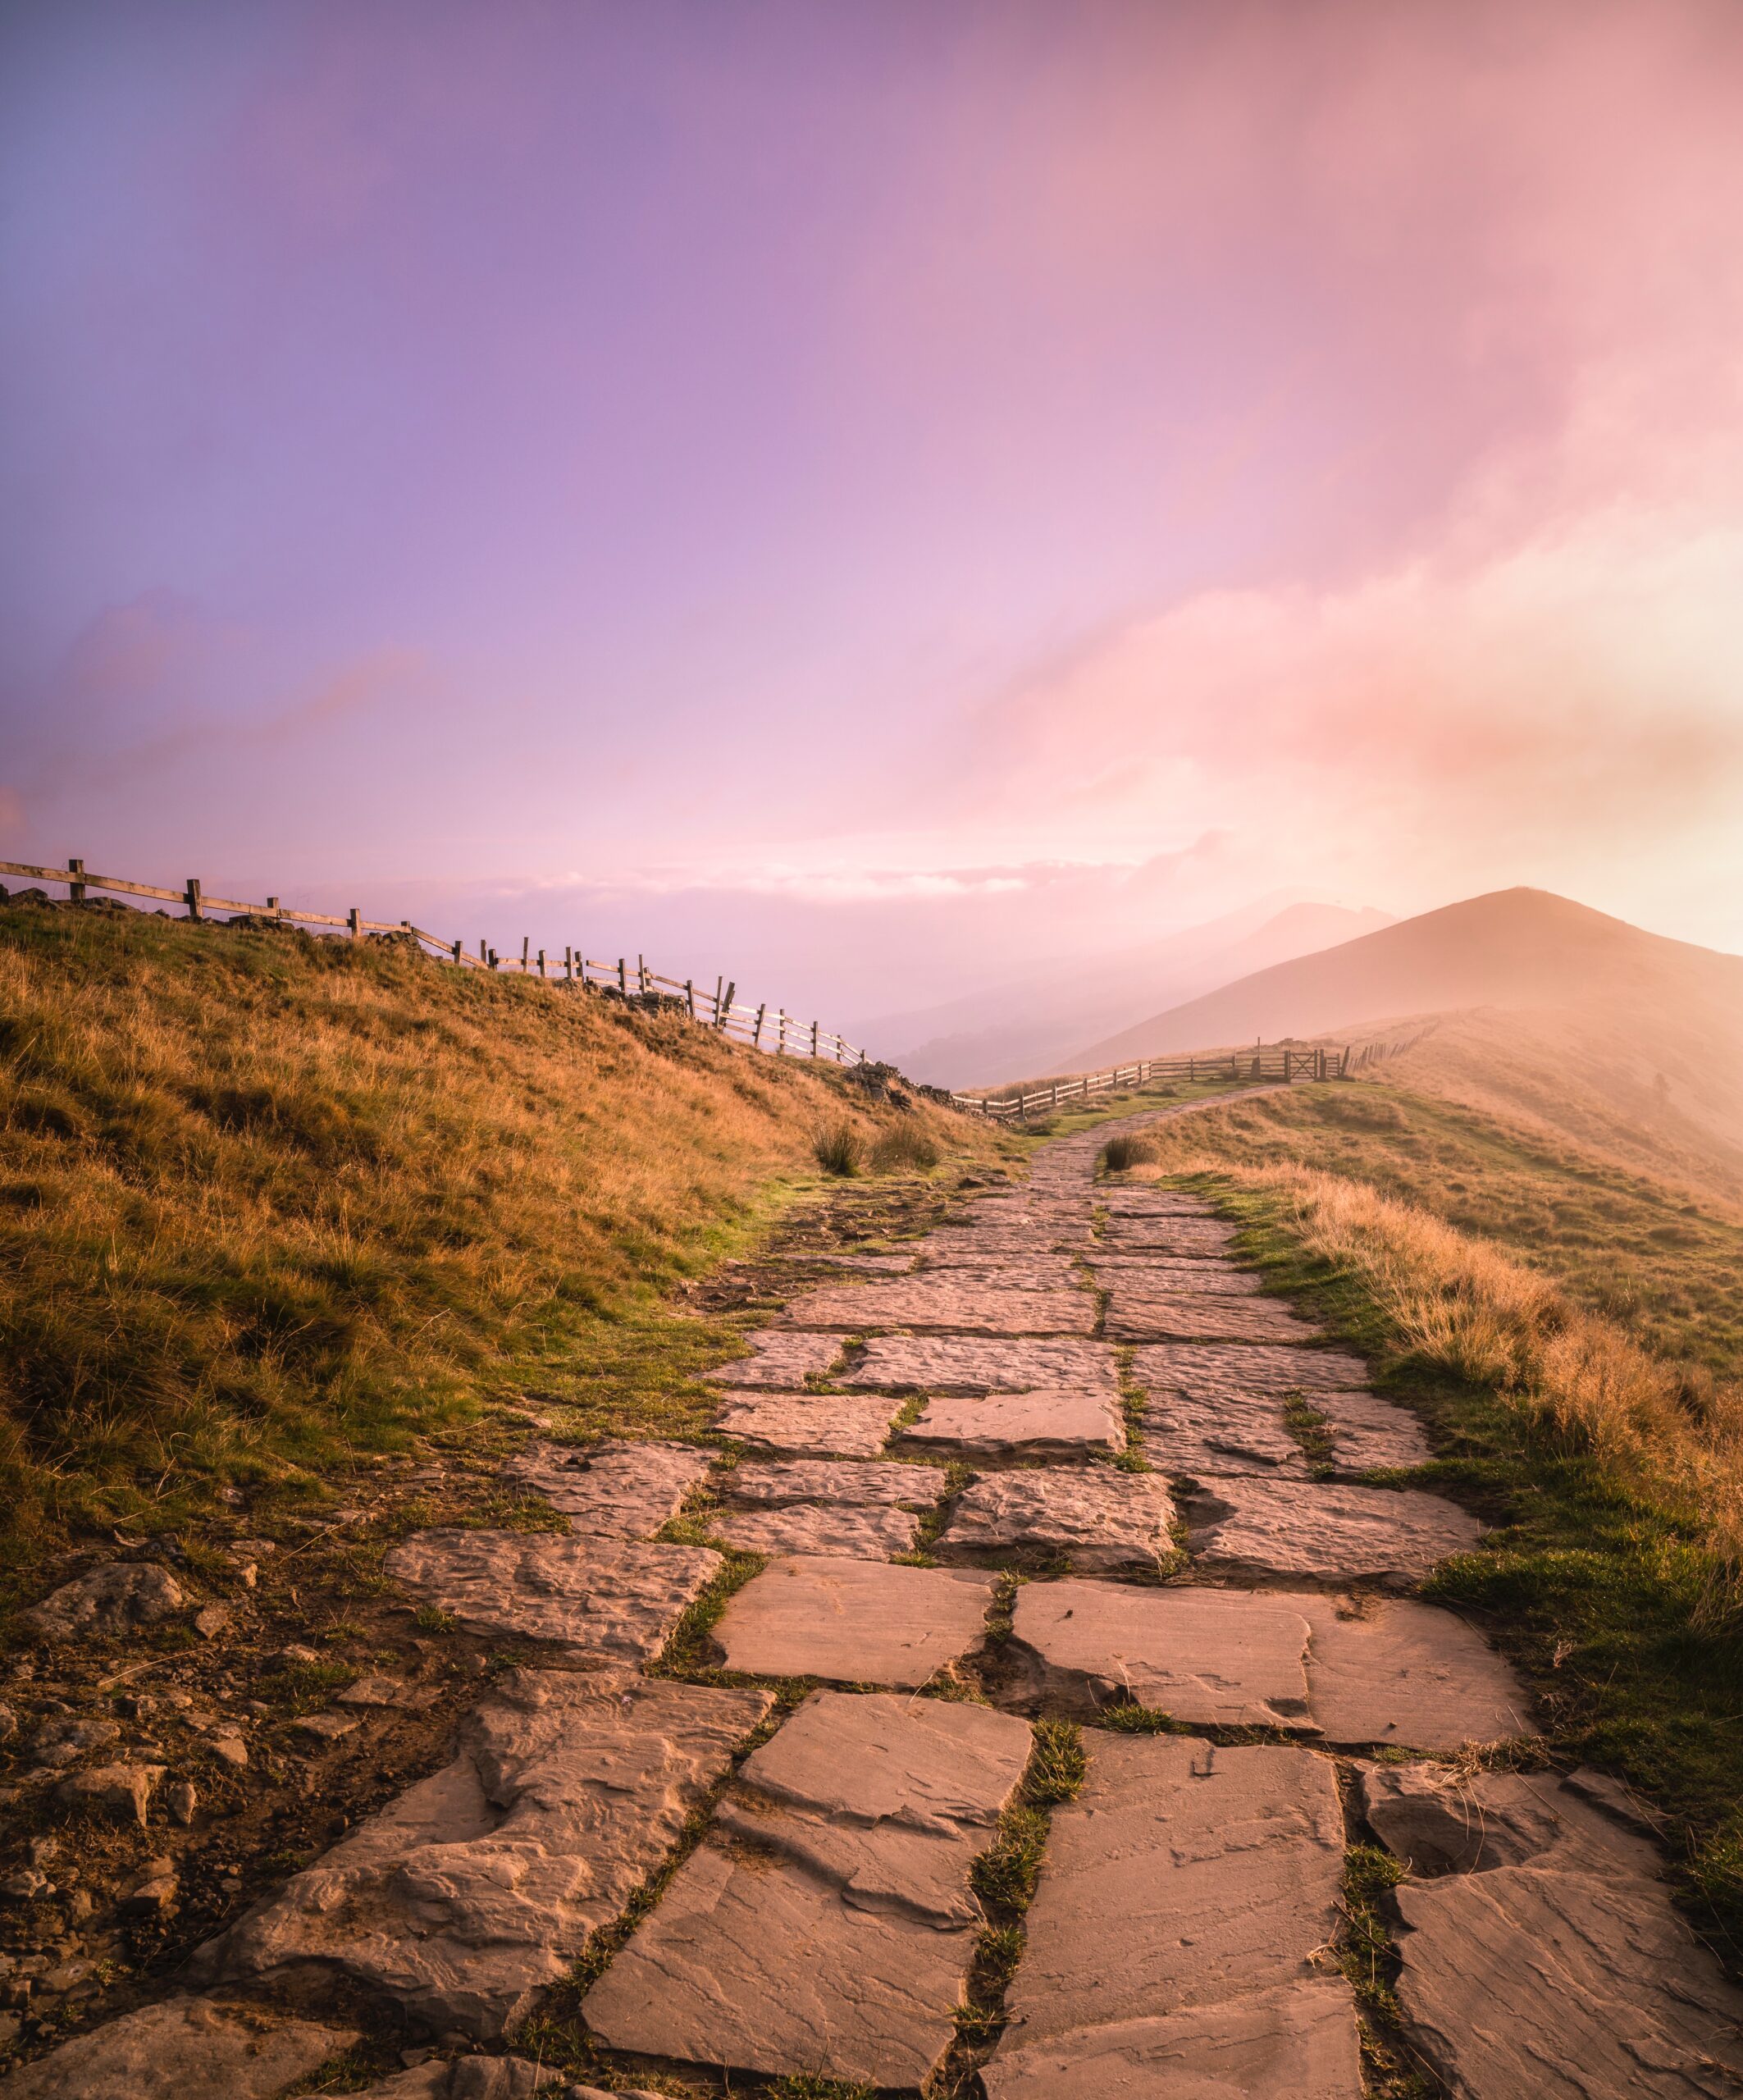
840 1150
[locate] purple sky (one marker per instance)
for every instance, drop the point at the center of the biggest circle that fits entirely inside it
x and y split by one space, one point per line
862 496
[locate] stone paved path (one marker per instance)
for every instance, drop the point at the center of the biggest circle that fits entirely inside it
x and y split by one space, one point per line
1063 1460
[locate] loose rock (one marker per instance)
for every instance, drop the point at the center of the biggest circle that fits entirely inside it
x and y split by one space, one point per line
122 1792
854 1622
116 1598
601 1597
187 2049
482 1884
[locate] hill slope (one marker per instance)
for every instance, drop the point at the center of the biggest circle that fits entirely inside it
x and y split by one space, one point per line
1028 1025
1621 1038
267 1199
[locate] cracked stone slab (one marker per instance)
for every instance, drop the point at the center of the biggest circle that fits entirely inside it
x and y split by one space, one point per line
1101 1518
1439 1820
781 1362
1183 1875
846 1423
186 2048
1296 2041
1198 1439
763 1482
1526 1980
1211 1658
479 1887
1369 1433
1325 1532
1140 1276
826 1926
1248 1367
1043 1425
814 1527
920 1363
948 1307
611 1490
602 1597
1203 1315
854 1622
1391 1670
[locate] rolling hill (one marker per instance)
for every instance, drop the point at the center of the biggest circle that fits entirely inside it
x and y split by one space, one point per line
1030 1024
1629 1042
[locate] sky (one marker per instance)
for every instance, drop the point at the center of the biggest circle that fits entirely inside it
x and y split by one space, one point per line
868 498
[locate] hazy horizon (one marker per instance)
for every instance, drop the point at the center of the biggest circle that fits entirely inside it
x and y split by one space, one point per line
871 497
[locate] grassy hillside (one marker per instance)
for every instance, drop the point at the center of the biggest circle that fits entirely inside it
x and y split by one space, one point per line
267 1200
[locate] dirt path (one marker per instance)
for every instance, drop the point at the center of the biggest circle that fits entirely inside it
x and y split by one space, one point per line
1073 1711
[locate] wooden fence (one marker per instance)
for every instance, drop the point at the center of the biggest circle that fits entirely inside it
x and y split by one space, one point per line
764 1027
1277 1061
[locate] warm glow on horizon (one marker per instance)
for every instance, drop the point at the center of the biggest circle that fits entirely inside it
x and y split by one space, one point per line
878 492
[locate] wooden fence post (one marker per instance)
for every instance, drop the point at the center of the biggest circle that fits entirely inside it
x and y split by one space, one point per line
814 1038
727 1011
493 958
75 882
193 897
457 955
756 1035
641 976
354 920
690 998
541 962
623 976
719 985
568 964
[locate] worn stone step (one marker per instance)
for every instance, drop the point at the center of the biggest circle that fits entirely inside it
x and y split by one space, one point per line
1325 1531
854 1622
609 1599
927 1307
825 1928
1098 1517
914 1363
849 1424
1067 1424
1193 1437
613 1489
1183 1876
481 1885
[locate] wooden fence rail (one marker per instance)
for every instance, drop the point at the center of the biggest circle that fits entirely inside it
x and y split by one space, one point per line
1283 1061
764 1027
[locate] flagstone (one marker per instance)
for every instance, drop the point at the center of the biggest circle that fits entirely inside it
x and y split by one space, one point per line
1063 1424
1248 1367
610 1490
864 1534
846 1423
1325 1532
780 1361
1202 1438
1297 2041
923 1364
602 1597
1446 1819
1141 1276
762 1481
1184 1874
1099 1518
1210 1658
854 1622
1370 1435
1203 1315
480 1886
925 1303
183 2048
1391 1670
825 1928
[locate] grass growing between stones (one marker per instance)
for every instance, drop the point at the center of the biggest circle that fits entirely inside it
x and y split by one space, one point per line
1611 1578
1365 1956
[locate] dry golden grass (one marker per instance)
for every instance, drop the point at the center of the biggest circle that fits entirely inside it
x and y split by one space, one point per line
265 1199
